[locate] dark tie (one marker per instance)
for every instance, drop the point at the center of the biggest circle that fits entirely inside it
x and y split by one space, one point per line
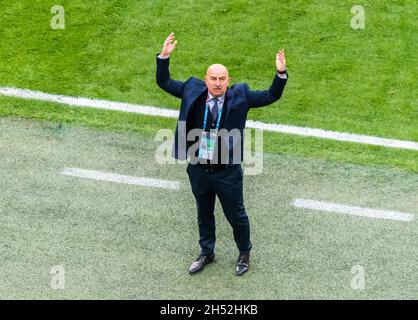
215 110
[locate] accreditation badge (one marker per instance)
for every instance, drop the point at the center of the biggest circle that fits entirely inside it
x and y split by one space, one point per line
207 145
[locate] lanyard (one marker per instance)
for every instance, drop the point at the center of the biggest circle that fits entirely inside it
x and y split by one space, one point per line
206 117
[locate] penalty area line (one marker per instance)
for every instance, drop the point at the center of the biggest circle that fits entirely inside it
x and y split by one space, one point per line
117 178
351 210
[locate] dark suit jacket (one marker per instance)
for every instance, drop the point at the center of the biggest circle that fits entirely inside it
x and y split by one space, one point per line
239 99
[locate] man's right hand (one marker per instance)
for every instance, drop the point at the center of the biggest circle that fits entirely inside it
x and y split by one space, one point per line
168 46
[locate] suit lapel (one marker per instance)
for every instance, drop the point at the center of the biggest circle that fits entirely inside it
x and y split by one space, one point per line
194 94
198 90
230 96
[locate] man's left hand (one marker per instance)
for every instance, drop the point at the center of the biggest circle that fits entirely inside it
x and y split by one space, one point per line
281 61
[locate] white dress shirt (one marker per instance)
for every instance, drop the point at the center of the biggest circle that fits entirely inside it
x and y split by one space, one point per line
211 102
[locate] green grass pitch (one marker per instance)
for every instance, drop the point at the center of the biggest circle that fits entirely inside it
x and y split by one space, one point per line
130 242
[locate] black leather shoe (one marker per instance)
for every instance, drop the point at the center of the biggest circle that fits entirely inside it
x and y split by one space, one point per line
200 263
243 264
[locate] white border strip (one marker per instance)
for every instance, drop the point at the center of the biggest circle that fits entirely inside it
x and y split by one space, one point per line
356 211
111 177
154 111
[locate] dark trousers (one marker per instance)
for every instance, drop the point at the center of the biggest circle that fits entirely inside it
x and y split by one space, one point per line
227 184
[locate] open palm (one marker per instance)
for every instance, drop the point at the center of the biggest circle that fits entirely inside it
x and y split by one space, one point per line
169 45
281 61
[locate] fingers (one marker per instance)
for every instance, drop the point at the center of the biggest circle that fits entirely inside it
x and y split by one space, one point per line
169 38
281 60
281 55
169 45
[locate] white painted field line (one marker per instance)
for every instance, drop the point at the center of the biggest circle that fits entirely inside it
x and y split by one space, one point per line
87 102
155 111
334 135
111 177
356 211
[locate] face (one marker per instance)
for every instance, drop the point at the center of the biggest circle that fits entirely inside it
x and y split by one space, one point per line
217 80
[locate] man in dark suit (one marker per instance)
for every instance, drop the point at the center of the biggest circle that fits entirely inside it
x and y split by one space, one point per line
210 134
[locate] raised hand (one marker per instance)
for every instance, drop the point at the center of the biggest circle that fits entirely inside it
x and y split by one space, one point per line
281 61
168 46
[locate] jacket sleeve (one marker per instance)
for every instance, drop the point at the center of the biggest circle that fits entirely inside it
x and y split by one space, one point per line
261 98
164 81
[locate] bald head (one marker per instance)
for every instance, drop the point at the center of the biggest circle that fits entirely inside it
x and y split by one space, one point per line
218 69
217 79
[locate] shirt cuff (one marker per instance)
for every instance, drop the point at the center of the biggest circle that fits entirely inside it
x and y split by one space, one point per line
282 75
160 56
